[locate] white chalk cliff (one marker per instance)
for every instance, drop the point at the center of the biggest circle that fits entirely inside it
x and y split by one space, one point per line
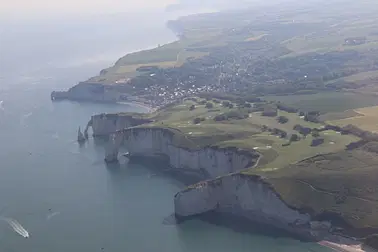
243 195
209 161
106 124
225 191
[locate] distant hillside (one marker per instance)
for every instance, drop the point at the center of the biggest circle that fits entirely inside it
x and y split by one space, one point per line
199 5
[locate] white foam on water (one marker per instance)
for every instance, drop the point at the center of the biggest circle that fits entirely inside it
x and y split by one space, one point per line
27 115
52 215
17 227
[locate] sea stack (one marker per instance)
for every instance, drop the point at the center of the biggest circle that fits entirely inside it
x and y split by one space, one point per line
80 136
86 134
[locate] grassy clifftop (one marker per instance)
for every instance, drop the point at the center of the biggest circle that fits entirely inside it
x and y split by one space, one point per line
312 171
341 186
225 123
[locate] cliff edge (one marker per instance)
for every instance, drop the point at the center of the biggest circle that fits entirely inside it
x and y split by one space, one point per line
246 170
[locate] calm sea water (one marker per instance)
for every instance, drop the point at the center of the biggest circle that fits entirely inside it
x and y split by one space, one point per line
63 193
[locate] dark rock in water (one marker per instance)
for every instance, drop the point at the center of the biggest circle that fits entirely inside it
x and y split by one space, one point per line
80 136
170 220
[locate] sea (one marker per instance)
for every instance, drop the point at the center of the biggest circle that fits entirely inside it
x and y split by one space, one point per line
61 194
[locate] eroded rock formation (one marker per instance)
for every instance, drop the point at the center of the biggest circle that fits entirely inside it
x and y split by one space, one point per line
106 124
209 162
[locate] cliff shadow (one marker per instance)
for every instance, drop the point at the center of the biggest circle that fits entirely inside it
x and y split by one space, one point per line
113 168
244 225
100 140
160 165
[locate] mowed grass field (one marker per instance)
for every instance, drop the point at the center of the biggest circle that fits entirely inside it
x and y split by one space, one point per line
368 75
325 179
365 118
333 37
247 133
327 102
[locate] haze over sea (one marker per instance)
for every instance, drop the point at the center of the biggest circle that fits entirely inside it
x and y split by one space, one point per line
63 194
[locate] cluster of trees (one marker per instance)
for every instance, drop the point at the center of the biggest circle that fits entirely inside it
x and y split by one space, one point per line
227 104
282 119
233 114
312 116
286 108
305 131
278 132
269 111
209 105
317 141
198 120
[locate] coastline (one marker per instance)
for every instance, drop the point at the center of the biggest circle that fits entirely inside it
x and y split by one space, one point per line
149 108
343 244
333 242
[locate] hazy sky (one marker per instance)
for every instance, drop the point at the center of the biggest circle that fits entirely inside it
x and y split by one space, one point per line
51 7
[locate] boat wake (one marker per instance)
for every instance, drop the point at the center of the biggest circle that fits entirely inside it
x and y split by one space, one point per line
52 215
17 227
28 115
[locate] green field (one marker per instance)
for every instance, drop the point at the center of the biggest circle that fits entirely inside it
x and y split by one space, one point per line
327 102
324 179
169 55
359 77
248 134
342 183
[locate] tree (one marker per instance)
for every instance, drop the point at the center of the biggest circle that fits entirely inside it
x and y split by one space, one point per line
198 120
269 112
294 138
282 119
193 107
219 118
264 128
209 105
315 133
231 106
225 103
317 142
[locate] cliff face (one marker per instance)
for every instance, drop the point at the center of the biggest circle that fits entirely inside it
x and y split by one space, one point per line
226 191
106 124
242 195
209 162
86 91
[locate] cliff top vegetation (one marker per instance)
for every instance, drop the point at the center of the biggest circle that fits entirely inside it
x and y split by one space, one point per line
313 166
